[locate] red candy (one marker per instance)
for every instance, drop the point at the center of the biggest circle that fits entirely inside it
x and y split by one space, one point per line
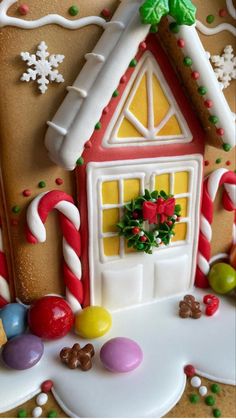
46 386
50 317
181 43
23 9
26 192
212 304
106 12
59 181
195 75
189 370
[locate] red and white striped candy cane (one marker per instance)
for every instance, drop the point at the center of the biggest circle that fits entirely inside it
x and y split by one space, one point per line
69 218
4 279
211 185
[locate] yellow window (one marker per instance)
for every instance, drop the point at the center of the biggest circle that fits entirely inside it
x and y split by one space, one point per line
162 182
181 182
111 246
160 103
127 130
172 127
110 192
139 104
131 189
180 232
184 206
110 217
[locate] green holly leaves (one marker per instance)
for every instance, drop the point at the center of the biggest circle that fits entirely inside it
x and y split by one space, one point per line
152 11
183 11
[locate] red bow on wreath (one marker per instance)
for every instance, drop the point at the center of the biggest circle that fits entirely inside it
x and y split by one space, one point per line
163 208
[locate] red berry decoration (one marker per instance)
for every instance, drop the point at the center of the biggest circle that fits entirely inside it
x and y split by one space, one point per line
135 215
50 317
189 370
135 230
46 386
143 239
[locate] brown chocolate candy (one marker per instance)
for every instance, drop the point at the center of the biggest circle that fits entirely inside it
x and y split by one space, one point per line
77 356
189 307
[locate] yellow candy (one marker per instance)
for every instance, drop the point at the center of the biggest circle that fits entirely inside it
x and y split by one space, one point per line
92 322
3 338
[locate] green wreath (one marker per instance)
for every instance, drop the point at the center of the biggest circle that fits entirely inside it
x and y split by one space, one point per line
157 209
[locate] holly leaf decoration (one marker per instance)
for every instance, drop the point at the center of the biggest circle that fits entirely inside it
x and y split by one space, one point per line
183 11
152 11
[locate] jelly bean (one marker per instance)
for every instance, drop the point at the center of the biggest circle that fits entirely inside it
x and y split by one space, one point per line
92 322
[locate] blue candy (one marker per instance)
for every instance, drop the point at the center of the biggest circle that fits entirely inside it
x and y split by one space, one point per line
14 319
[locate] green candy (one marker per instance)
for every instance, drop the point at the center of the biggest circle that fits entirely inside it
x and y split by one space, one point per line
215 388
183 11
73 10
80 161
222 278
210 401
152 11
216 413
22 413
52 414
193 398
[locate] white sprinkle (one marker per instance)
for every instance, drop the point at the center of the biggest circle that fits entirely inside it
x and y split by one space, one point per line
196 381
141 233
202 391
37 412
41 399
158 241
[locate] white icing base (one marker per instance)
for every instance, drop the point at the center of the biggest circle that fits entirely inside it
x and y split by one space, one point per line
168 343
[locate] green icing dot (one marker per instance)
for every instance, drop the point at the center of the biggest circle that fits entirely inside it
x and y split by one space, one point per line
133 63
174 27
213 119
194 398
154 29
188 61
217 162
210 401
215 388
98 125
80 161
202 90
42 184
226 147
115 93
210 19
216 413
22 413
52 414
73 10
16 209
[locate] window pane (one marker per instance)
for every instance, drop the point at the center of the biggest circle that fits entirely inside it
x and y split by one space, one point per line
172 127
162 182
184 206
110 218
128 130
110 192
160 102
139 105
131 189
180 232
181 180
111 246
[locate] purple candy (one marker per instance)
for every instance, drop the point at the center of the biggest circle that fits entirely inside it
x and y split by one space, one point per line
22 352
121 355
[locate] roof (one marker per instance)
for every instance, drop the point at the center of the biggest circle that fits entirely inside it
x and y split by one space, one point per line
74 122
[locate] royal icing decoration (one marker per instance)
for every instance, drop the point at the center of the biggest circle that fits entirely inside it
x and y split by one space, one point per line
217 29
225 66
231 8
182 11
210 188
4 279
69 218
42 67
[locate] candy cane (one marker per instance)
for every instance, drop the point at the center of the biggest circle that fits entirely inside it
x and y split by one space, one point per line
4 279
69 218
210 187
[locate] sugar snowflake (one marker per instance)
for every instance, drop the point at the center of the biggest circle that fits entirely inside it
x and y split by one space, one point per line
225 66
43 67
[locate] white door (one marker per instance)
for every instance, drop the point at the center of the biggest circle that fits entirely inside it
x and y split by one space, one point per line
120 277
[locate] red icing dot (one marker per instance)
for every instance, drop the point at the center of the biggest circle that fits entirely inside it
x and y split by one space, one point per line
228 163
223 12
206 162
181 43
47 386
143 46
26 192
105 110
23 9
106 12
189 370
88 144
195 75
123 79
59 181
220 131
208 103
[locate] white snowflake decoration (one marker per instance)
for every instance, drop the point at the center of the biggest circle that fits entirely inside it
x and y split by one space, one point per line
225 66
43 67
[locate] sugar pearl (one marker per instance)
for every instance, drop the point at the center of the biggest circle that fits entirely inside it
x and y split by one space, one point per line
203 391
42 399
37 412
195 381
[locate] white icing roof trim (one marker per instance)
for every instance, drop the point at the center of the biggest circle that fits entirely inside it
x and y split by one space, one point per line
75 119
